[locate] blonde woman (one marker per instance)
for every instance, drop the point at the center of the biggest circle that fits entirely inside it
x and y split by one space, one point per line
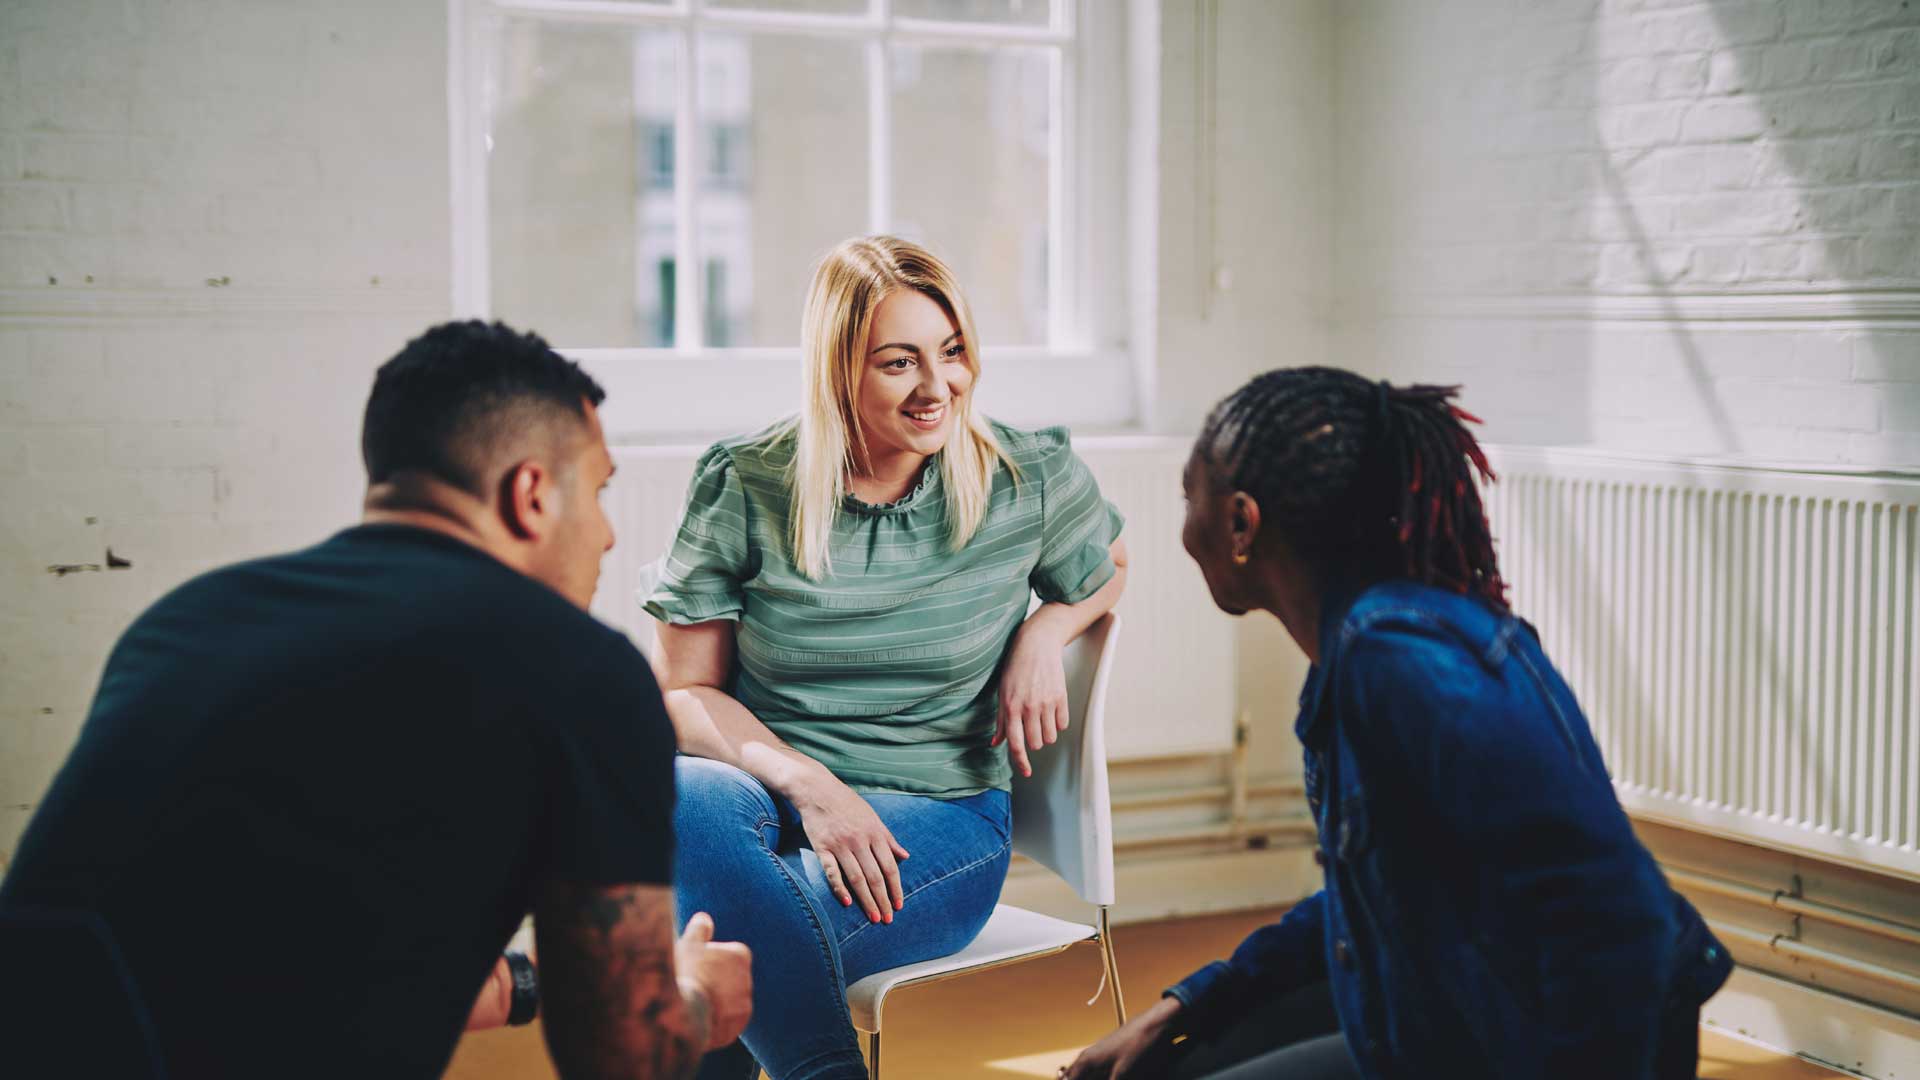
849 662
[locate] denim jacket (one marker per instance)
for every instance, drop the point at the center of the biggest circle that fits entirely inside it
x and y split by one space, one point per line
1487 908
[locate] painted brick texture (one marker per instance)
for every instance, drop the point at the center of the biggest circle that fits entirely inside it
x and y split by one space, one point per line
215 219
1644 161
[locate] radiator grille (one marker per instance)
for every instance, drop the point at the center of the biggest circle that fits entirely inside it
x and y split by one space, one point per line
1743 640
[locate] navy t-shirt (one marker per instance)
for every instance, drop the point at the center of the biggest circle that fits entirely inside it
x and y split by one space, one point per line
317 792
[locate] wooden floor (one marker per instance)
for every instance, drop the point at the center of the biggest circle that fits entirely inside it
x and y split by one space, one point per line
1027 1020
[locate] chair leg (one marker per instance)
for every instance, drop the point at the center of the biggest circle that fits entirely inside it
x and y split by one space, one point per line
873 1056
1113 969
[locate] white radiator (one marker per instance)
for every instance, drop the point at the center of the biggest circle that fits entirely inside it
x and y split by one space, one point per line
1744 640
1173 689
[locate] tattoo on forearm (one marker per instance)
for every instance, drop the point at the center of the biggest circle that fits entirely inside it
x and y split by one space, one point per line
603 912
612 1004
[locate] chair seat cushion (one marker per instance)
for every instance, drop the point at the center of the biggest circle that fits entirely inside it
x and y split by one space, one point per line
1010 934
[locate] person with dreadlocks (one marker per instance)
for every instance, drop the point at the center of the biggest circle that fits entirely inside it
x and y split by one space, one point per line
1487 909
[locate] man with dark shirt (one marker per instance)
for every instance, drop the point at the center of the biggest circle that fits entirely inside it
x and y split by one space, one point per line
317 792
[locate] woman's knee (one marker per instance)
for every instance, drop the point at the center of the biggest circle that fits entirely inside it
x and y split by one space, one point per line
712 794
724 825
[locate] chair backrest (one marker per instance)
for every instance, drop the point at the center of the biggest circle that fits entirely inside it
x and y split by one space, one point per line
1062 818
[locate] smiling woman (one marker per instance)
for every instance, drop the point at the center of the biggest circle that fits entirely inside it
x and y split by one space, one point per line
847 645
887 331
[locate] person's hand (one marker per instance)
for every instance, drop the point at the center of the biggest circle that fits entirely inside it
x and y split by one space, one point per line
1033 696
495 1001
722 972
857 852
1137 1047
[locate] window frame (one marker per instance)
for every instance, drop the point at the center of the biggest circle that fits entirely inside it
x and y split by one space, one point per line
1089 371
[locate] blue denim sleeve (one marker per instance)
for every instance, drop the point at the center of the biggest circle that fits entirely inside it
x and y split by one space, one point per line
1272 960
1492 753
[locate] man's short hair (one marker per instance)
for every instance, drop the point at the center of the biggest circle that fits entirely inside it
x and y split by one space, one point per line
461 396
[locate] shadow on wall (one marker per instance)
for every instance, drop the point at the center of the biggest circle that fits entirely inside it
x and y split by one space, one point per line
1686 229
1828 98
1759 183
1674 322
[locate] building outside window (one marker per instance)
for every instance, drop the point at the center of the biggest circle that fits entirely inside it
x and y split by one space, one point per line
961 124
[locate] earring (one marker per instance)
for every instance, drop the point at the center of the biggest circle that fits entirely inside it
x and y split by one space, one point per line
1240 558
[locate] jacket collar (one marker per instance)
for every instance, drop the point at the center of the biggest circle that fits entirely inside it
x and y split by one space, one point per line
1335 602
1488 635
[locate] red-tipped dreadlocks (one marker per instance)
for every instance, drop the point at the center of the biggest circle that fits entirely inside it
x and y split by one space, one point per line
1362 478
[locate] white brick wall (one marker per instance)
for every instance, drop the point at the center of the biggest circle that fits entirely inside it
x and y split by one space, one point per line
216 218
1639 161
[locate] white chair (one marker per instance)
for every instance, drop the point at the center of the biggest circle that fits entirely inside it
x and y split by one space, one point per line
1061 820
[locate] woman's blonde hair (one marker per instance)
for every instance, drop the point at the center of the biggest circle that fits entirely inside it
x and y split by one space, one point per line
848 285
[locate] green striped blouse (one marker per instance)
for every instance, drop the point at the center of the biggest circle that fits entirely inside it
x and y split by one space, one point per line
887 671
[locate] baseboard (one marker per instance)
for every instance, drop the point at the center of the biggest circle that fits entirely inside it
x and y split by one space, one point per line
1167 886
1816 1025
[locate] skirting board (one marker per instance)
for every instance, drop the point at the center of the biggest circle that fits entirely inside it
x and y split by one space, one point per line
1173 885
1816 1025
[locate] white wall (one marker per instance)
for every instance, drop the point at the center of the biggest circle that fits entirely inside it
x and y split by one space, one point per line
1246 227
1683 228
215 219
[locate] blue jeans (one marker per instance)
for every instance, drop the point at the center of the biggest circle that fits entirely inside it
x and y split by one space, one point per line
743 858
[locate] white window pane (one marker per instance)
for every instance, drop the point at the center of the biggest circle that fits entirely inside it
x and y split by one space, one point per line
783 175
580 183
1015 12
809 7
970 167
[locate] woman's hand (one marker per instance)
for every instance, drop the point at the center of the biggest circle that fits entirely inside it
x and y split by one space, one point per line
1141 1043
857 852
1033 695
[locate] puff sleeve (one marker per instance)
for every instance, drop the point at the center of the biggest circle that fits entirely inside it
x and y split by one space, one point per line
1078 526
700 577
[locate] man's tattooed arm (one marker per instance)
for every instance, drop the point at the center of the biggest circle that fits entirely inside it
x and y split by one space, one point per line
611 1004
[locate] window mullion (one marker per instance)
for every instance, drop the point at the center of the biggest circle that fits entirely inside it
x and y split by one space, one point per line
1062 309
688 327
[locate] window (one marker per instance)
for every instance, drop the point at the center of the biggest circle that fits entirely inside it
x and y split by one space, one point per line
990 130
658 139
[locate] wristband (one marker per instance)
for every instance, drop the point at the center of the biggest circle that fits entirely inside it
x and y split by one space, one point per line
526 990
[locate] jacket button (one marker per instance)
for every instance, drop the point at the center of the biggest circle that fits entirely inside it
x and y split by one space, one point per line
1343 954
